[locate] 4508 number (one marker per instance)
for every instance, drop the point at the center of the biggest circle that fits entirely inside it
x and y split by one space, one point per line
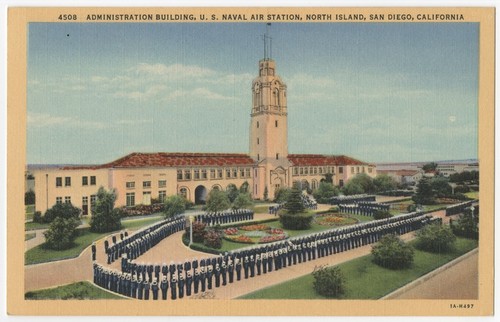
67 17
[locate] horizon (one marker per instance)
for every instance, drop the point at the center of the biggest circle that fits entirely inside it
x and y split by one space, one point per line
402 92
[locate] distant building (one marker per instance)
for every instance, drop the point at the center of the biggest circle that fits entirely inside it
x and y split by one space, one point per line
140 177
447 169
409 177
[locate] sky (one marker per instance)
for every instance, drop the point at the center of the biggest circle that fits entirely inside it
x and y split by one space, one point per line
379 92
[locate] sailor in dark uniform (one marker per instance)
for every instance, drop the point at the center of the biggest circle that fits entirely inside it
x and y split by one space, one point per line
264 263
94 250
196 280
203 278
246 266
238 269
230 270
210 272
217 275
181 284
133 288
146 290
164 287
258 262
173 287
189 282
223 271
140 289
155 288
114 239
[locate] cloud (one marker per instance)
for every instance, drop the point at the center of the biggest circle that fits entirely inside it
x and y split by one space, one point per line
198 93
46 120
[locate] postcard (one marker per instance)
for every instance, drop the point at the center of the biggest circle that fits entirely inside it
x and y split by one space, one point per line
250 161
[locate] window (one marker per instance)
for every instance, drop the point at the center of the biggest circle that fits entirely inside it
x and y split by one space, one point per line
187 174
179 174
59 182
204 174
67 181
247 172
363 169
315 170
92 181
219 173
85 201
369 170
162 183
257 124
228 173
196 174
212 173
235 173
357 169
162 195
276 123
341 183
295 171
320 170
130 185
67 199
341 169
352 169
306 170
146 184
301 170
130 199
93 198
257 140
85 181
277 156
258 157
242 172
58 200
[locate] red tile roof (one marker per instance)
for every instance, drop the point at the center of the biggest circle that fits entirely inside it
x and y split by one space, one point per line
138 160
323 160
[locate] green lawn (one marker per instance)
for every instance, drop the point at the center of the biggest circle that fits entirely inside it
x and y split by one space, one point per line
364 279
34 225
29 236
261 209
75 291
40 254
29 211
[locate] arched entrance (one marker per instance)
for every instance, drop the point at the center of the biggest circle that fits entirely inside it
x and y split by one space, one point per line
200 195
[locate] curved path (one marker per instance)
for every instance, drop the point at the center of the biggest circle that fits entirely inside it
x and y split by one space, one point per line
62 272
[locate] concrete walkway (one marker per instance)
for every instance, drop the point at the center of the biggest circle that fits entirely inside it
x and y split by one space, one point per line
37 240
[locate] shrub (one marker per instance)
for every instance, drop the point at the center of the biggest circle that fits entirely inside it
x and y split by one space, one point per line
61 233
37 217
198 231
281 195
296 221
294 204
242 201
174 205
381 214
466 225
391 252
213 239
325 191
329 281
61 210
29 197
435 238
217 201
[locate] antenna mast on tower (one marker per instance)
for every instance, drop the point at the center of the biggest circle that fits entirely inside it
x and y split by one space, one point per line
268 43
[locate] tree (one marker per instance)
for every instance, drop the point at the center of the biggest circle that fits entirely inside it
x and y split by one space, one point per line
435 238
29 197
242 201
325 191
440 186
217 201
61 210
174 205
104 217
232 192
424 194
432 166
467 225
329 281
328 178
391 252
294 203
384 182
361 183
61 233
281 194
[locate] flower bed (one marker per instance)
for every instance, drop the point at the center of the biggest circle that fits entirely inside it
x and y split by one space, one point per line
334 219
254 234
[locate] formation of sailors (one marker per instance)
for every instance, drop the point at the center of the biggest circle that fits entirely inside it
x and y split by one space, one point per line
458 208
141 241
337 200
146 281
363 208
225 217
308 201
